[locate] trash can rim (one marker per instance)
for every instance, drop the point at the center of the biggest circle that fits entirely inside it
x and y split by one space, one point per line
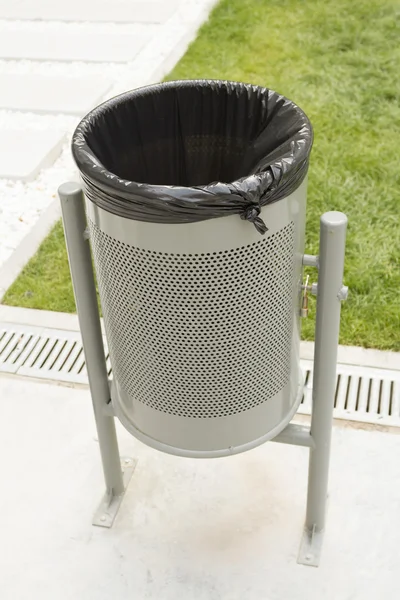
279 178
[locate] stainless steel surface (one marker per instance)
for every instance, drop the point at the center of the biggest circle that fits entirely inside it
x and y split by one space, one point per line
202 323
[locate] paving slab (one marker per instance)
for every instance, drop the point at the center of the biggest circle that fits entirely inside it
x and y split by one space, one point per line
51 93
24 153
117 11
71 44
188 529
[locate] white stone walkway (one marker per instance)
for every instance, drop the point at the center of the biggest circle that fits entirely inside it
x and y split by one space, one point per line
57 61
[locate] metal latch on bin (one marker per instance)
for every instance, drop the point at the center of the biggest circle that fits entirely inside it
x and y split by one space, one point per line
307 288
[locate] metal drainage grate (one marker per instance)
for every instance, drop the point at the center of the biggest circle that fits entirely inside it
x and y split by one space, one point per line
363 394
43 353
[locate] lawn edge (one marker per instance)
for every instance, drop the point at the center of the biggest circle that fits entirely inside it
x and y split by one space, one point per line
29 245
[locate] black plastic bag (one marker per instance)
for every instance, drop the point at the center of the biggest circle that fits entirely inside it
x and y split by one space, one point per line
187 151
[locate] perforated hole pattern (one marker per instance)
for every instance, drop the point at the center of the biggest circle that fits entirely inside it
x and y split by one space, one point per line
198 335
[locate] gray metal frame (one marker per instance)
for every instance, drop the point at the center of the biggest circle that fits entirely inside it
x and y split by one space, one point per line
80 261
330 292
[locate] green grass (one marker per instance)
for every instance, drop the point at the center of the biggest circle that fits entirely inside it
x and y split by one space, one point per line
340 61
45 282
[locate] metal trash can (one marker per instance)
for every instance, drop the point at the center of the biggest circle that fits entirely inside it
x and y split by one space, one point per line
199 281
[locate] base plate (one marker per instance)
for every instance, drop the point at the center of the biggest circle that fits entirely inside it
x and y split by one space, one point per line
109 506
310 547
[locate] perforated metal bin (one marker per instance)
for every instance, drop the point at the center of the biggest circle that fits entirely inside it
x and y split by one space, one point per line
202 323
195 210
201 318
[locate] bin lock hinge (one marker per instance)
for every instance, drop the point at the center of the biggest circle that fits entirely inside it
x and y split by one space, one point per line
306 289
343 293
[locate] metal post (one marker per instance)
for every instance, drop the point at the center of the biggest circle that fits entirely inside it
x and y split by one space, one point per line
80 261
329 295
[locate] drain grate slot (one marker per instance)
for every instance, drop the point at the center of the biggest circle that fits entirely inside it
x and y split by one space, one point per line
62 357
6 339
391 398
50 354
352 392
363 393
77 361
374 398
395 412
38 351
71 358
12 347
337 389
342 393
385 397
60 347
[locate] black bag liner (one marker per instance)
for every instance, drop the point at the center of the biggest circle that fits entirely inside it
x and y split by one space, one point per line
186 151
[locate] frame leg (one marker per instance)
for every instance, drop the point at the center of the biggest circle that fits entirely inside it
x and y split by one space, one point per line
110 503
330 293
80 261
